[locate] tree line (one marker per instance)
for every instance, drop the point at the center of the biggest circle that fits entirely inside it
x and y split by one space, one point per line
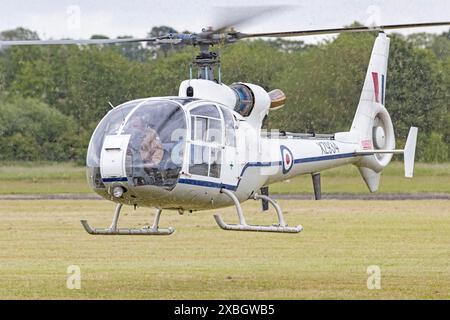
52 97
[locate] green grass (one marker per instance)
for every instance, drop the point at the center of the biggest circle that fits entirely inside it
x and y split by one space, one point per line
52 178
408 240
44 177
41 171
431 178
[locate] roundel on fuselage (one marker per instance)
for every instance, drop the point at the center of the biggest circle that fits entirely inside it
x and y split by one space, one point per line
287 159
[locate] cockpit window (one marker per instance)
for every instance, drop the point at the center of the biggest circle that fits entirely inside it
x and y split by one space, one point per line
230 136
206 111
109 125
155 152
206 136
206 124
117 117
165 117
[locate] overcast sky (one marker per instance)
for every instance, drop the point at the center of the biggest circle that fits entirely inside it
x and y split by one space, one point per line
82 18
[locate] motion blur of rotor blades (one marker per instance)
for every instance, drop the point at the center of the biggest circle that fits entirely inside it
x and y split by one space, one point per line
341 30
157 40
226 17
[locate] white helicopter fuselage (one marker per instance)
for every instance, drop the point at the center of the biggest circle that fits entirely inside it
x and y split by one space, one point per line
253 160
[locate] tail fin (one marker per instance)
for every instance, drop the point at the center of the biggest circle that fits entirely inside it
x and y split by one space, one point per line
373 94
372 125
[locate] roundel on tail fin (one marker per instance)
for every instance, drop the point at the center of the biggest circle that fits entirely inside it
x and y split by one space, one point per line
287 159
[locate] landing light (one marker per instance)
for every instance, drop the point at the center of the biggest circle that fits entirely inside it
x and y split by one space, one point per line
117 192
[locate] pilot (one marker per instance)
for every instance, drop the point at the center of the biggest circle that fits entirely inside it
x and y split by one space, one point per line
146 140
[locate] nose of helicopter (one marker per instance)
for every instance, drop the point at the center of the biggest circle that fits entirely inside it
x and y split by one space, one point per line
139 159
138 147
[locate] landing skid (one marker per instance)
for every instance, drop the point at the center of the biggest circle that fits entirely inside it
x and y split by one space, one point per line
282 227
113 230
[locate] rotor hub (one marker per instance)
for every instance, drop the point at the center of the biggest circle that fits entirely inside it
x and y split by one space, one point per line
208 64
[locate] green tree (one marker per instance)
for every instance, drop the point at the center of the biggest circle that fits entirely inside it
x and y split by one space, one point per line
2 76
414 93
14 57
253 61
445 84
31 130
19 34
73 85
323 85
159 31
162 76
95 76
441 46
432 148
132 51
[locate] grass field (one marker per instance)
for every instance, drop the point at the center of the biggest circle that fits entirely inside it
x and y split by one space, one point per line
46 178
52 178
408 240
427 178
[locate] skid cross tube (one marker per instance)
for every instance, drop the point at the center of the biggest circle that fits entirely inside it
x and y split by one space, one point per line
116 217
275 205
243 226
113 230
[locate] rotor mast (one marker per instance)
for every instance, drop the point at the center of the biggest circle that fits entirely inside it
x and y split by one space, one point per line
207 63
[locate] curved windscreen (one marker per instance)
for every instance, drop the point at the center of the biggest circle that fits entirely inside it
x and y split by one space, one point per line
109 125
154 134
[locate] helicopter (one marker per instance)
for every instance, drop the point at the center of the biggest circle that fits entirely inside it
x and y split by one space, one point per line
205 149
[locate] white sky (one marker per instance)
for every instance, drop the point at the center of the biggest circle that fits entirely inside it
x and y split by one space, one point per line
82 18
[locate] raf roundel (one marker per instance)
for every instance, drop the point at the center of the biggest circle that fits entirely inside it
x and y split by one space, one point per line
287 159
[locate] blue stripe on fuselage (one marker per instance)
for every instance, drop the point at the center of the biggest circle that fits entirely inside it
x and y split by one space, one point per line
124 179
210 184
324 158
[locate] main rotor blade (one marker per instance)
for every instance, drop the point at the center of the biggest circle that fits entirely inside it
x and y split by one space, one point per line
79 42
341 30
227 17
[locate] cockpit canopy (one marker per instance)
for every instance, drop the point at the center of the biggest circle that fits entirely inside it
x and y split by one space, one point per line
144 143
149 133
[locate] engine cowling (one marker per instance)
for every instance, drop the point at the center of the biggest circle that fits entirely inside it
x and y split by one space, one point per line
249 100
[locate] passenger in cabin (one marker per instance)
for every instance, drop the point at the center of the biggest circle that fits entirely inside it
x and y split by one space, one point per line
145 145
